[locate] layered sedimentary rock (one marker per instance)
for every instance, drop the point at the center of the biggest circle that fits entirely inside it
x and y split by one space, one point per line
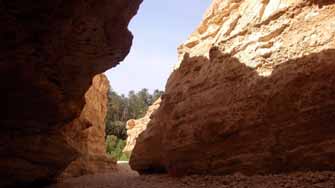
50 50
136 126
253 93
87 133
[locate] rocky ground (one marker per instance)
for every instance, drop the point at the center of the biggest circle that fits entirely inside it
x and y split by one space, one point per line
127 178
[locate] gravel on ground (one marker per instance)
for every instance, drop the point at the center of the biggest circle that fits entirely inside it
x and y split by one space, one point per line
126 178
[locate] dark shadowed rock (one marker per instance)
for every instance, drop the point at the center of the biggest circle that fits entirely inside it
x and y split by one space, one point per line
50 51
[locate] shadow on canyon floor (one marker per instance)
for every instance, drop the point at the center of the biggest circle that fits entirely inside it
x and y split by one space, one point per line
219 117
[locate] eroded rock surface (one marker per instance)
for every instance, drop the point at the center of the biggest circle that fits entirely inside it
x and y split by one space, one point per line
50 50
136 126
87 133
253 93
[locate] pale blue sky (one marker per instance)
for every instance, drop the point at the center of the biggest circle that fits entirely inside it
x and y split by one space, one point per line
158 29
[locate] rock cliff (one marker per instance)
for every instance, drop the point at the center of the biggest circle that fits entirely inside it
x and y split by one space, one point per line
50 50
253 93
136 127
87 133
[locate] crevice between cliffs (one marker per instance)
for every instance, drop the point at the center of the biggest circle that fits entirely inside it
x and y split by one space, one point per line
253 93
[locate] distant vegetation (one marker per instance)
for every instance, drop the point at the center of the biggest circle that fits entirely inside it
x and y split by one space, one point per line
121 108
114 147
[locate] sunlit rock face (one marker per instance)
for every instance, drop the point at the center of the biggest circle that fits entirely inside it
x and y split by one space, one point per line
50 50
136 126
253 93
87 133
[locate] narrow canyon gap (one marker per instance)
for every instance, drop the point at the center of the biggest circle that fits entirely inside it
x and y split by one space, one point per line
253 92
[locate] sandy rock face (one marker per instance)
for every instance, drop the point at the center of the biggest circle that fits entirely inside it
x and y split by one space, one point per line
87 133
253 93
50 50
136 127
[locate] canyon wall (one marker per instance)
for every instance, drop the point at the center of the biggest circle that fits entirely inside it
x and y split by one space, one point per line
253 93
87 133
50 50
136 126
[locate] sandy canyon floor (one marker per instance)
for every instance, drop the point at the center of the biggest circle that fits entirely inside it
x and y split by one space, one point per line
126 178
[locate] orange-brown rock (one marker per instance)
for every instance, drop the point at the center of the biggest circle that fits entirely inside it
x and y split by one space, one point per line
50 51
136 127
87 133
254 93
